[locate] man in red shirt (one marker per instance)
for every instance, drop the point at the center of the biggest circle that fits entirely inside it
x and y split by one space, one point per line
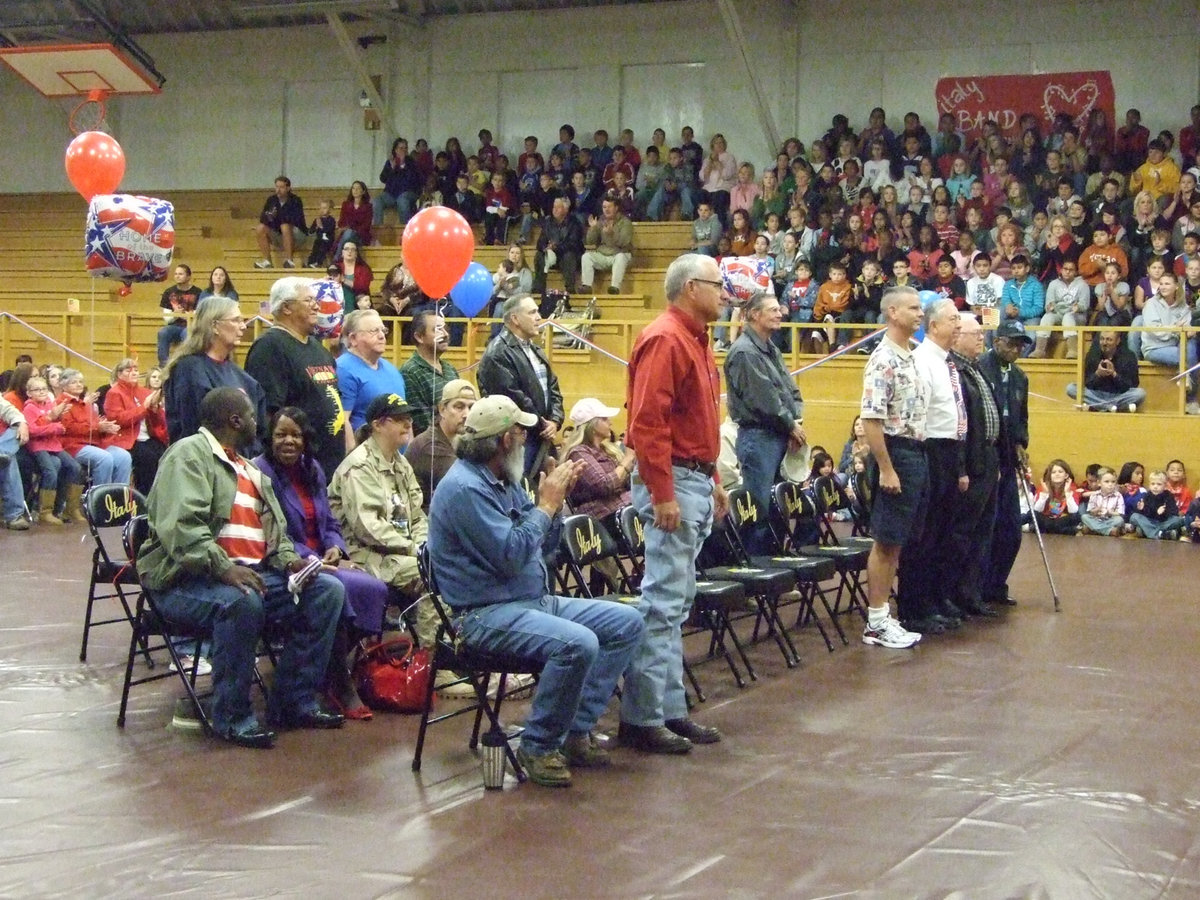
673 398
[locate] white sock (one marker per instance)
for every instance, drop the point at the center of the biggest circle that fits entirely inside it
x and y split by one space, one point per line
877 615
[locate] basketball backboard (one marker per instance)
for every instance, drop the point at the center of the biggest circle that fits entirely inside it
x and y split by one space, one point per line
77 70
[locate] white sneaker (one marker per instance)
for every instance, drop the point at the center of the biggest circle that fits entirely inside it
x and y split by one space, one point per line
1193 409
1132 407
203 668
262 264
513 685
890 633
289 264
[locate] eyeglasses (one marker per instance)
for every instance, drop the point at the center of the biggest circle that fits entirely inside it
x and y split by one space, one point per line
719 285
371 331
237 320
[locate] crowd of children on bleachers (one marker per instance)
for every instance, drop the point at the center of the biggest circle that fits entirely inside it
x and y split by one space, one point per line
1059 223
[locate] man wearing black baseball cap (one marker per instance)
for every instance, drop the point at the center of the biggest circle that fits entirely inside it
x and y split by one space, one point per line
1010 387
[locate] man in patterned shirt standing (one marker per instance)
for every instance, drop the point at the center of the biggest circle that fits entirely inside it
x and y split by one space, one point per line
893 416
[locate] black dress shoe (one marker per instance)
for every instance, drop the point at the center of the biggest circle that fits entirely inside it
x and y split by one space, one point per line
977 608
693 731
949 622
652 739
951 610
928 625
257 738
312 718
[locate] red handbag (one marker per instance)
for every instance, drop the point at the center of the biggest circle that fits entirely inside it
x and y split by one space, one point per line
393 675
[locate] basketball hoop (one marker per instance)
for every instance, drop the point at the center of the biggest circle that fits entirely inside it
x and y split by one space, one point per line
93 72
89 115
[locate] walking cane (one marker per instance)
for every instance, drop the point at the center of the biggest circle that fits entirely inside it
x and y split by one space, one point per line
1041 544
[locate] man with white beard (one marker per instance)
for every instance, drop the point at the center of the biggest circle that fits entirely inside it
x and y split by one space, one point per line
486 544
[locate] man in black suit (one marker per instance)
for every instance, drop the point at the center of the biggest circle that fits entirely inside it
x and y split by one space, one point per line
1010 388
515 365
975 508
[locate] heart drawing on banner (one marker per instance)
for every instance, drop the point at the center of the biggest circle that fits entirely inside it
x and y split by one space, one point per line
1076 104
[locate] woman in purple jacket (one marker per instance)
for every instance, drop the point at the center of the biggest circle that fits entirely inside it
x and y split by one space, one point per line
299 484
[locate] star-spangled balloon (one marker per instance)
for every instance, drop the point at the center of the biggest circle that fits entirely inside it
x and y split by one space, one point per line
129 237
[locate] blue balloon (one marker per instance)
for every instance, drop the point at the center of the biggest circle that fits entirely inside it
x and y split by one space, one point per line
928 297
473 290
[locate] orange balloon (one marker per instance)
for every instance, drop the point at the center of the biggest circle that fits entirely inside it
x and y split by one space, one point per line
95 164
437 248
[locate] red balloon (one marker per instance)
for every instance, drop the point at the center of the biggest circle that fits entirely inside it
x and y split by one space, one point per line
437 249
95 164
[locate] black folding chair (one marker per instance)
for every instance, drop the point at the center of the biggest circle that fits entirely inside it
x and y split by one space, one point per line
830 497
714 603
472 666
810 571
152 632
860 504
108 508
797 516
724 557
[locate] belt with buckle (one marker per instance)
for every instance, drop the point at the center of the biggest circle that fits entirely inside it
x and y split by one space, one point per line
695 465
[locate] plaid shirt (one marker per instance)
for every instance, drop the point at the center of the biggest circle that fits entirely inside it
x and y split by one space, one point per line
991 415
423 388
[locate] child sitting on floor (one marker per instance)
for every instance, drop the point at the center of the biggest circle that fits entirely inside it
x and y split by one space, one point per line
1105 507
1177 484
1130 483
1056 504
1157 516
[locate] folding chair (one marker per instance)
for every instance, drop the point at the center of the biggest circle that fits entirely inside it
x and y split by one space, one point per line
149 625
474 667
712 606
107 508
830 497
724 557
797 515
810 571
860 504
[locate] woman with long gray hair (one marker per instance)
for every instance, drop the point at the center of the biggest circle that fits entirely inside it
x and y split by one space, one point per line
205 361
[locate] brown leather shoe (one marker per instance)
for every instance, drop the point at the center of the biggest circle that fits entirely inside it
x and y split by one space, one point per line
652 739
693 731
582 751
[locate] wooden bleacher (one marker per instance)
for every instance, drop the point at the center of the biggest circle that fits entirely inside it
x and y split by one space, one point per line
42 266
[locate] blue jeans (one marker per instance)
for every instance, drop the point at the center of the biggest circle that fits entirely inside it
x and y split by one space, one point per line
402 204
584 646
662 196
1103 399
653 689
168 335
1169 356
236 622
12 504
108 465
759 453
1149 528
58 469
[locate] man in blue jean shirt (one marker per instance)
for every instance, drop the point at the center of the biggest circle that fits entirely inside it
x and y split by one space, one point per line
486 540
12 438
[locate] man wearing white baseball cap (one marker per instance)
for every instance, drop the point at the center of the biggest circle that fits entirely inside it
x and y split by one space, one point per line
486 541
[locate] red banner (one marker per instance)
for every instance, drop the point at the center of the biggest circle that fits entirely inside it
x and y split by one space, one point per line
974 99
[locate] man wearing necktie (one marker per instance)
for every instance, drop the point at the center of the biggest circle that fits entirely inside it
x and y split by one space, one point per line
925 567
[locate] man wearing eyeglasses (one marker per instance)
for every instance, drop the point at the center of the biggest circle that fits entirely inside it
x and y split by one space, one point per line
363 372
295 369
673 399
